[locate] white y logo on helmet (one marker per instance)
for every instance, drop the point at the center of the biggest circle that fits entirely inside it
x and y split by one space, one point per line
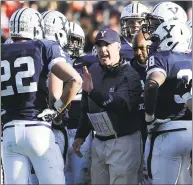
174 10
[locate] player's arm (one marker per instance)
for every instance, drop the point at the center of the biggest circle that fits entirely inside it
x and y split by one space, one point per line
72 80
59 66
55 86
156 76
153 82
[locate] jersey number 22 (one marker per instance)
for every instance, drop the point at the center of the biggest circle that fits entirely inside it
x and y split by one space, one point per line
32 87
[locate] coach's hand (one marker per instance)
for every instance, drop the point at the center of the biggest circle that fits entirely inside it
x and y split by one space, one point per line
87 84
76 146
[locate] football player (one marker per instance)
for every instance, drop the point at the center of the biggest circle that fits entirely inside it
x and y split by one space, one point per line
28 138
169 76
139 63
75 48
78 169
56 28
161 12
132 18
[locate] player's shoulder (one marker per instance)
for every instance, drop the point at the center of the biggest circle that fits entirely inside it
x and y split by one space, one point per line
126 50
4 45
161 54
51 45
88 57
126 47
47 43
18 45
54 48
94 68
173 60
166 55
88 60
161 58
24 45
129 69
125 43
11 49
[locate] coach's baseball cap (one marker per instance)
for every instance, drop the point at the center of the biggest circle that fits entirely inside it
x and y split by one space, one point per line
108 35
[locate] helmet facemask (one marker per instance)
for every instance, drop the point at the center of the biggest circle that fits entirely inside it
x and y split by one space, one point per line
129 27
153 22
155 41
75 46
62 35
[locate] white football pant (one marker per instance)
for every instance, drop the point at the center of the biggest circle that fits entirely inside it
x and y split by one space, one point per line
78 169
171 154
60 140
32 144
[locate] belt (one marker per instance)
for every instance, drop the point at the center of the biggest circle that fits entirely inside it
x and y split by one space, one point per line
29 125
106 138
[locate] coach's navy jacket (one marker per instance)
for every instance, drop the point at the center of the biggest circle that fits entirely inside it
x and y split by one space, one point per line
117 91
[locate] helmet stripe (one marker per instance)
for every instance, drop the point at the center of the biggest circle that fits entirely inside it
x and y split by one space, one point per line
19 18
73 26
40 21
47 13
156 6
132 8
137 7
14 20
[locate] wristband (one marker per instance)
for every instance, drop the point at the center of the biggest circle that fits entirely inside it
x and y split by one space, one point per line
59 106
187 96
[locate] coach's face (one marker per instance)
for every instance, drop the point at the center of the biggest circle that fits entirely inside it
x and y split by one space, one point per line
108 53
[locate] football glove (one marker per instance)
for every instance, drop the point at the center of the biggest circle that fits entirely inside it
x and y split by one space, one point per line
183 87
187 96
48 115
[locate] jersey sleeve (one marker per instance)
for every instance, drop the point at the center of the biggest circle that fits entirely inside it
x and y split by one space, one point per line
156 64
53 54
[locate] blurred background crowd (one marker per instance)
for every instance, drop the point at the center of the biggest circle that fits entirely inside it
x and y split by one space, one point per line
90 15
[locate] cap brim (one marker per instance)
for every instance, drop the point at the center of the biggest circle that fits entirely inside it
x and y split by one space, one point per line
103 39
